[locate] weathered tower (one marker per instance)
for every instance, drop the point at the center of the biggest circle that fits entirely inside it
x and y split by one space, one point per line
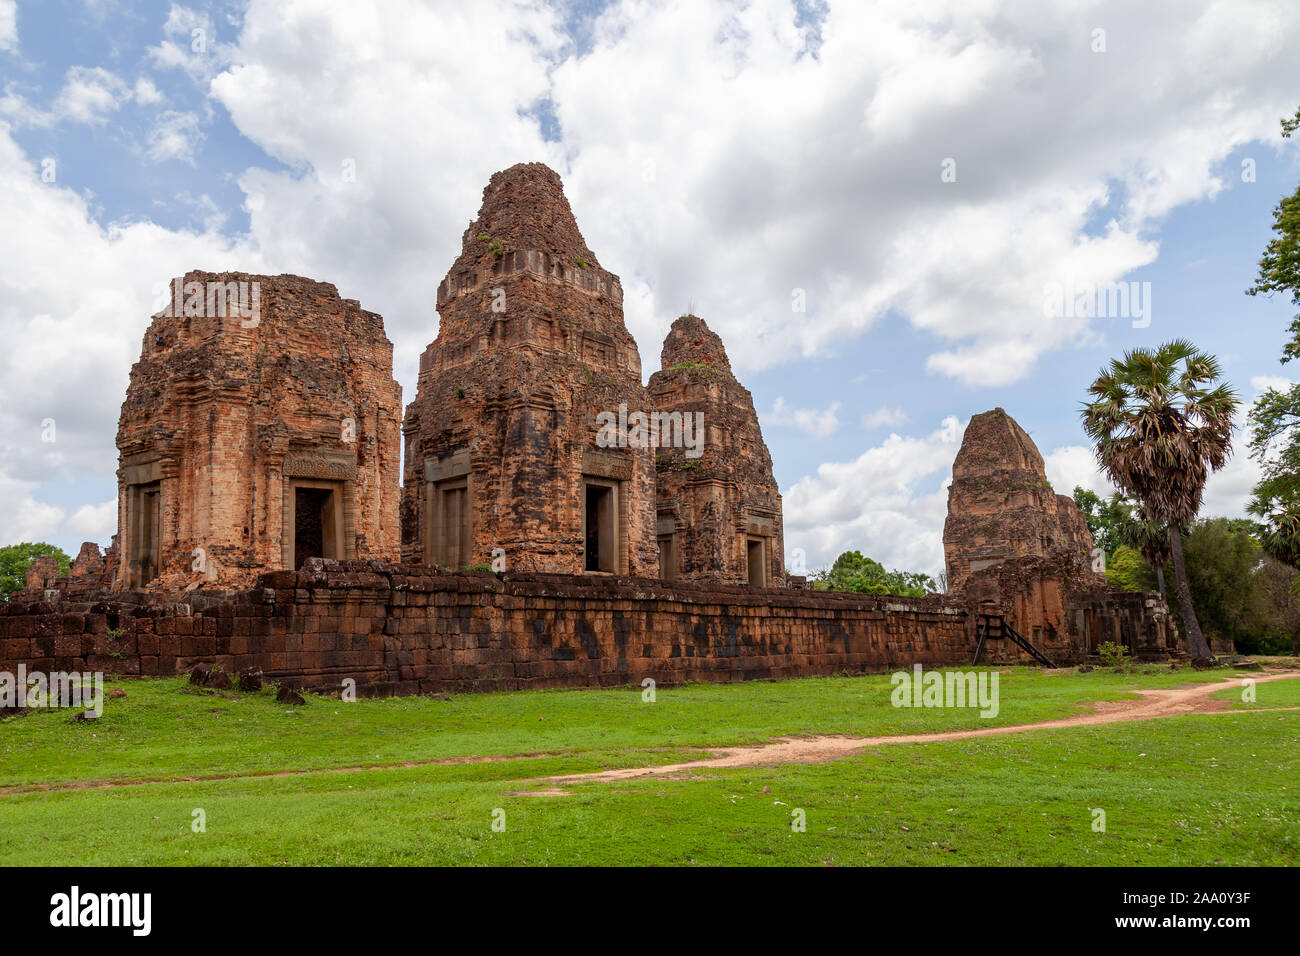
504 448
719 508
260 428
1001 505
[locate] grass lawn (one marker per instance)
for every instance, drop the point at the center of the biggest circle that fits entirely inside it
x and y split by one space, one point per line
1200 789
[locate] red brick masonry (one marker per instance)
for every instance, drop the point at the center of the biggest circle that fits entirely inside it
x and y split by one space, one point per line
400 629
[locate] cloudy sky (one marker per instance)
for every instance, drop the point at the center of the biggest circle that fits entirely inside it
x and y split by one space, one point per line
874 203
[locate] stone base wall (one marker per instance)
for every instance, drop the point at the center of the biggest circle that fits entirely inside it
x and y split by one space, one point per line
404 630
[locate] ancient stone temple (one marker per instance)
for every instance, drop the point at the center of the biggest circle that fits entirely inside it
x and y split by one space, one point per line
508 457
1001 505
260 428
718 506
1019 555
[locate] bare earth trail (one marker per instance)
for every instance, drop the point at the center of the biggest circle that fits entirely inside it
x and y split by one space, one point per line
1152 704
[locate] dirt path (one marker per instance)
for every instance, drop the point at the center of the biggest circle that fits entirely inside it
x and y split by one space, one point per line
1152 704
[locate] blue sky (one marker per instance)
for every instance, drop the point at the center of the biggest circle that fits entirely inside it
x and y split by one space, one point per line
716 153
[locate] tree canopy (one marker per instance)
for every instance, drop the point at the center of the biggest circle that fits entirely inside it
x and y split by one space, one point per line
853 571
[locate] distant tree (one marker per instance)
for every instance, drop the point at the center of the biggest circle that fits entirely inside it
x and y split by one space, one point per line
1279 582
1222 558
853 571
1126 569
1239 593
1118 522
15 558
1275 437
1148 538
1160 422
1101 516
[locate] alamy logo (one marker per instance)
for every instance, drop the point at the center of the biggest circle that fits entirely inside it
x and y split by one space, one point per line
623 429
1099 300
134 910
923 688
36 689
213 300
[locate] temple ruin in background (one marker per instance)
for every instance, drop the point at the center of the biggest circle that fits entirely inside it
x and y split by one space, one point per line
1001 505
1021 556
260 428
718 506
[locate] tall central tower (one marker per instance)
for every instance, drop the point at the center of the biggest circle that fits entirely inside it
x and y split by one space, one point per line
504 441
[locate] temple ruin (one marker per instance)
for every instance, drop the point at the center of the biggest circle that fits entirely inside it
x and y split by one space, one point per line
559 524
1020 554
1001 505
718 506
504 452
260 429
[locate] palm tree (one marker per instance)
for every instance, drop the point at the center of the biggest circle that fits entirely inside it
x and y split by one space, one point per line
1160 423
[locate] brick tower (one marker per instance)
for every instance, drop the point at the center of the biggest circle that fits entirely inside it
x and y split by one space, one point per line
1001 505
260 428
718 506
504 449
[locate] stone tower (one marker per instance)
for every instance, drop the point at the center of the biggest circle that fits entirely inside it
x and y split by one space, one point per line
719 508
260 428
505 456
1001 506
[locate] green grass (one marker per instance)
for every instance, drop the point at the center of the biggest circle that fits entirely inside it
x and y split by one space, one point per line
163 729
1203 789
1281 693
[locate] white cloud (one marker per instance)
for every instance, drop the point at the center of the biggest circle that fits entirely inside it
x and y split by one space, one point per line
175 135
191 44
889 503
23 518
8 24
819 424
89 94
93 522
1070 466
1261 383
146 92
884 417
828 170
1228 490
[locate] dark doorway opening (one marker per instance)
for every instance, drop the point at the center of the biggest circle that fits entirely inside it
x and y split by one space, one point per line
313 510
600 548
668 557
144 524
757 562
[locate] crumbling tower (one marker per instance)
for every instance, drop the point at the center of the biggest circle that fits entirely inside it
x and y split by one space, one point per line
1001 506
718 506
505 459
260 428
